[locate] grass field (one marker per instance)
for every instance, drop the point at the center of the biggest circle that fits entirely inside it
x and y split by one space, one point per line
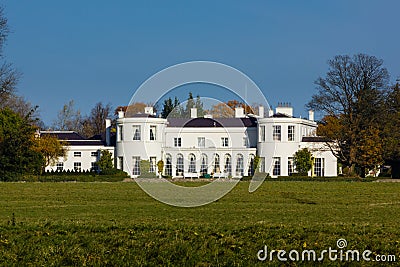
117 224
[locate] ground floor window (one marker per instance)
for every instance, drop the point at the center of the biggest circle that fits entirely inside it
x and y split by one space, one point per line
168 165
77 166
277 166
250 170
179 164
204 165
290 166
136 166
60 166
239 165
262 164
94 166
192 163
228 165
319 167
216 164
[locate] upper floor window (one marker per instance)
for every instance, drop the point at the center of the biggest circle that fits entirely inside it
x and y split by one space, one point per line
262 133
201 141
245 141
224 141
291 133
276 134
94 153
177 142
77 154
120 133
136 132
153 133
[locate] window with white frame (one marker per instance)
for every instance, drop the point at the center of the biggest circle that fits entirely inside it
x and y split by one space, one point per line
192 163
290 132
262 133
153 133
179 164
276 132
204 164
228 165
136 132
77 154
94 166
77 166
120 133
319 167
245 141
177 142
94 154
136 165
216 163
60 166
239 165
168 165
121 163
224 141
250 169
277 166
290 166
153 164
201 142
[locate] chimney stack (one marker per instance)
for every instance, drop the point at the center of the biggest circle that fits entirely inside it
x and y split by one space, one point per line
311 115
239 113
108 130
148 110
261 112
193 113
121 114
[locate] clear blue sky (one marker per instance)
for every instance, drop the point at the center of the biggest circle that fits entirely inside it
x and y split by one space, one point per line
93 51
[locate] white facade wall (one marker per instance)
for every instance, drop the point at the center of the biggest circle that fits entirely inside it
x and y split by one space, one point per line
85 159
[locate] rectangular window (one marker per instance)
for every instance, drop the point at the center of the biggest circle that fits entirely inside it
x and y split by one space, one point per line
201 141
224 141
290 166
262 133
245 141
276 135
121 163
120 133
153 133
136 166
77 166
94 154
177 142
77 154
291 133
136 132
262 164
319 167
277 166
153 164
60 166
94 166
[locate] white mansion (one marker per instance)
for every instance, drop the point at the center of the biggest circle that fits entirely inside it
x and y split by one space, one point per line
220 147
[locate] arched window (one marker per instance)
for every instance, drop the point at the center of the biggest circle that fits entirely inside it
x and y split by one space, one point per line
179 164
239 165
228 165
168 165
250 170
192 163
204 164
216 167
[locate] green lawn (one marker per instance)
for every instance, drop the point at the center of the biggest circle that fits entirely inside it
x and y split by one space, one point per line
118 224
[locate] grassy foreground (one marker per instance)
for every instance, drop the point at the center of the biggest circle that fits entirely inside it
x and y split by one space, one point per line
117 224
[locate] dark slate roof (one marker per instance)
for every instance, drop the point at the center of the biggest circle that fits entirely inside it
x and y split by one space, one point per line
215 122
141 115
314 139
74 139
281 115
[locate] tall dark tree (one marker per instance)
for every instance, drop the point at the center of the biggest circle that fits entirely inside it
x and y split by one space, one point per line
97 118
171 108
351 95
189 105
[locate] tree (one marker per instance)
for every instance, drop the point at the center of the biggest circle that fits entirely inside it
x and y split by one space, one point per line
199 106
18 155
351 95
105 163
51 149
171 109
132 109
160 167
222 110
69 119
302 160
95 124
